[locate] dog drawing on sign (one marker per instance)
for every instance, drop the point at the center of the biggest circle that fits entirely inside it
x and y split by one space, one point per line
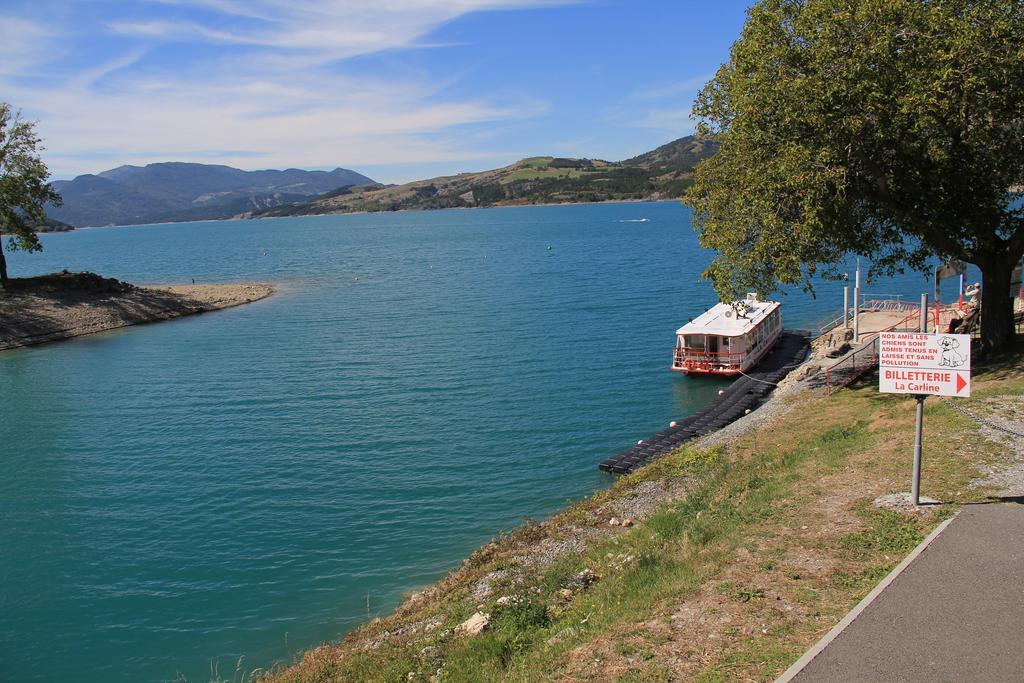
950 356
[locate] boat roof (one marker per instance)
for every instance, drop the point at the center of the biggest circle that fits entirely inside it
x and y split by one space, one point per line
721 319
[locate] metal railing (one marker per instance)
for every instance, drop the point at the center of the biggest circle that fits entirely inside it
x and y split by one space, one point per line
887 304
827 325
689 359
851 366
872 295
854 364
878 302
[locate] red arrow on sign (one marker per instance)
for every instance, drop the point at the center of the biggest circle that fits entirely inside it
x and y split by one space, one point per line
960 383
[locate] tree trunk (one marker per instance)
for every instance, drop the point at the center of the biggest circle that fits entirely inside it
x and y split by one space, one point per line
3 264
996 303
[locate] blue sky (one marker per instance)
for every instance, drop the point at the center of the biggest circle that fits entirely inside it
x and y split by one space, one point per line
396 89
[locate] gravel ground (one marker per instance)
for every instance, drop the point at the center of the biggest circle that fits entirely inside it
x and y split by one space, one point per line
1004 424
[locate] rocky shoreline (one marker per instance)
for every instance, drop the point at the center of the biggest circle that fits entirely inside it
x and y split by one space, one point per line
64 305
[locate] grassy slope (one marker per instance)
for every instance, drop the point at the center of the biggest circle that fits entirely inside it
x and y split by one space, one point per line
773 542
660 174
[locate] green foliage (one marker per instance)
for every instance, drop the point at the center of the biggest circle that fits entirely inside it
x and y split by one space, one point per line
24 189
571 163
887 128
522 614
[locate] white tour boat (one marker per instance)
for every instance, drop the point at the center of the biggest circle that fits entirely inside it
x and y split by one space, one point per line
728 339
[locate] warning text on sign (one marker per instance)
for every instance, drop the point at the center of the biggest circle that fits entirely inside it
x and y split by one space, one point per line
915 363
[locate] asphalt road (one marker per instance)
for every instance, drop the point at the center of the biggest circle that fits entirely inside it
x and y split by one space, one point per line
956 613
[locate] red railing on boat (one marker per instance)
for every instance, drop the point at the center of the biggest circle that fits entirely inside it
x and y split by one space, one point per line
689 359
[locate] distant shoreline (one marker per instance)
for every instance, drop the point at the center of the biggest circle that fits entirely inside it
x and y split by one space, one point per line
367 213
455 208
62 306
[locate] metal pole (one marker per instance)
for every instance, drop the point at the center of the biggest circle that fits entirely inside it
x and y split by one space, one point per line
856 314
915 485
856 305
846 307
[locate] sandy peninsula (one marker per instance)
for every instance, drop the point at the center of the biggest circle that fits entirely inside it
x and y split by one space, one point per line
60 306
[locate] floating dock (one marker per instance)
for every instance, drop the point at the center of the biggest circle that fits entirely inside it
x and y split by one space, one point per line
746 393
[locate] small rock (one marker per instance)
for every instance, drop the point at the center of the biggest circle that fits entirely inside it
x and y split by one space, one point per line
839 350
474 625
503 601
614 521
565 594
583 579
627 522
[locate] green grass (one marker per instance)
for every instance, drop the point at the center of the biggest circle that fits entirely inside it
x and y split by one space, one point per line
534 173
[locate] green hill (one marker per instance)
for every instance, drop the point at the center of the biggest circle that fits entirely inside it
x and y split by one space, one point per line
663 173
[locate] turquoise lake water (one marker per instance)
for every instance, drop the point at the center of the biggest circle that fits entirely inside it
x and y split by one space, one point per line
251 482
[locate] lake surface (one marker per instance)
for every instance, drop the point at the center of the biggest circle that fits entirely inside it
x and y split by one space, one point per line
251 482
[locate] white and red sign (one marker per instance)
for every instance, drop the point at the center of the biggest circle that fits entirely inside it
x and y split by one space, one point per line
917 363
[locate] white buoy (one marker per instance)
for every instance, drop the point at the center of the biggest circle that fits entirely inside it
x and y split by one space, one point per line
747 411
672 423
640 442
721 391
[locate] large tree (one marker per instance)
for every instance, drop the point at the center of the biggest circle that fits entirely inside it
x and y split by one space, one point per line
893 129
24 189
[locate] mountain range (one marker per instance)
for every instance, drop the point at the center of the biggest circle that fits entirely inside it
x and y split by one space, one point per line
663 173
173 191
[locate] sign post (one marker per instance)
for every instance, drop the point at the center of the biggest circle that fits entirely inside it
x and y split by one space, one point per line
922 364
915 484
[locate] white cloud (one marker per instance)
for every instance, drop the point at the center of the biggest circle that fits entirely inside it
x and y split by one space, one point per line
23 44
688 87
335 29
272 96
674 121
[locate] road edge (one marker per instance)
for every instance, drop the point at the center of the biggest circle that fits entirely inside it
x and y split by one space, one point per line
825 640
